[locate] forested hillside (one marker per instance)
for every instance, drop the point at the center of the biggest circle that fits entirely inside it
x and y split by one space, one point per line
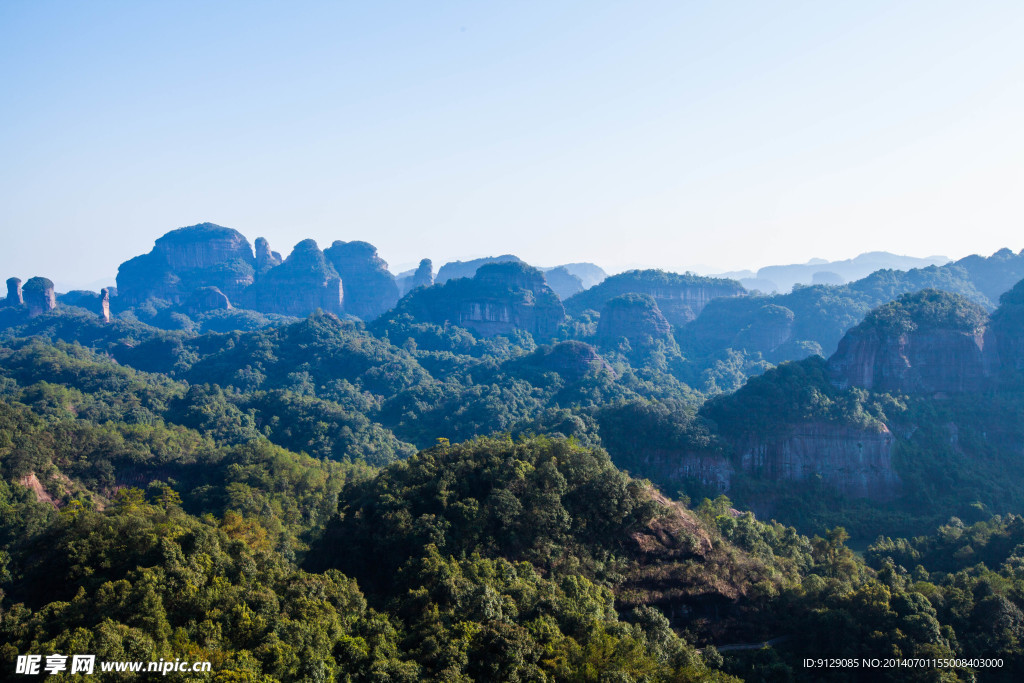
136 529
478 481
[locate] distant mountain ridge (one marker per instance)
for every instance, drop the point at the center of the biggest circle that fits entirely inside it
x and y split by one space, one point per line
208 277
782 278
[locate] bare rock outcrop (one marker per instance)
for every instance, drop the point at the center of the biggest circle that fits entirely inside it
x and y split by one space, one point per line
500 299
186 259
770 327
98 303
1004 339
39 296
635 317
370 289
105 305
14 293
302 284
926 342
207 299
265 258
853 460
422 276
680 297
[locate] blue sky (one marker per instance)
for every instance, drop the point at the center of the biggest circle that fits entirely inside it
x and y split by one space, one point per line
669 134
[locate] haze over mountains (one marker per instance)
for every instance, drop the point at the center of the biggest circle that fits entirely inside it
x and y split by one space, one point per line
484 450
817 271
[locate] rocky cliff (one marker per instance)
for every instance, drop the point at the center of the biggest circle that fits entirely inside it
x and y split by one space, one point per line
926 342
500 299
770 327
422 276
207 299
186 259
299 286
680 297
39 295
635 317
208 267
1004 340
105 304
853 460
90 301
265 258
14 293
370 289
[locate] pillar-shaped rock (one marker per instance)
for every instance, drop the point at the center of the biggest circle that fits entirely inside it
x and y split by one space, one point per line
265 258
14 296
105 305
424 275
39 296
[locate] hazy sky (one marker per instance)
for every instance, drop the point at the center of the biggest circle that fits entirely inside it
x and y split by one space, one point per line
668 134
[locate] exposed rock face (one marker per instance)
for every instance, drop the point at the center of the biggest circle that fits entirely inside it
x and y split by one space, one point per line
299 286
926 342
105 305
14 295
1004 339
207 299
424 275
771 326
680 297
635 317
39 296
564 283
370 289
502 298
265 258
854 461
709 468
202 246
90 301
456 269
939 361
183 260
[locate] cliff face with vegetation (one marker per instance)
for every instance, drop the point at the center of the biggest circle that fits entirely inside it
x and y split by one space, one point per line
500 299
929 342
681 298
305 282
847 459
635 317
183 260
845 425
370 290
852 460
467 476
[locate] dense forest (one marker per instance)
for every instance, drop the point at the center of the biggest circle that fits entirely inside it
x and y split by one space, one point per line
716 486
